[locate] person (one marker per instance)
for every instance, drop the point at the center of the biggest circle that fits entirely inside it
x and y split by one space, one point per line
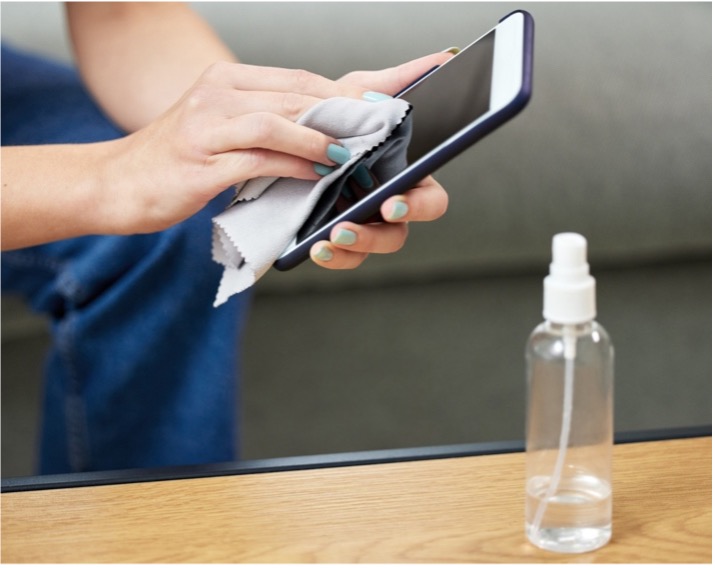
111 173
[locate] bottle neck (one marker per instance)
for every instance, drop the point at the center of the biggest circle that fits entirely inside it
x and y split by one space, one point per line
575 329
570 333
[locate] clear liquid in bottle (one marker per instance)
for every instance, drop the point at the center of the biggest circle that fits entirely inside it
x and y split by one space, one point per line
576 519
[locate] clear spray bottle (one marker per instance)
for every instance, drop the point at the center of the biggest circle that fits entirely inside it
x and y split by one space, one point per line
569 423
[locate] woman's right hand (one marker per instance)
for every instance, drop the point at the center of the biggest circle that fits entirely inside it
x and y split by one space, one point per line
235 123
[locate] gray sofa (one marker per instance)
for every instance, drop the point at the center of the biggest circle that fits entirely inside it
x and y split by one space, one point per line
426 346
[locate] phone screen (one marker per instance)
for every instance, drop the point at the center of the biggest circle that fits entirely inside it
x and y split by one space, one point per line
452 107
454 96
443 103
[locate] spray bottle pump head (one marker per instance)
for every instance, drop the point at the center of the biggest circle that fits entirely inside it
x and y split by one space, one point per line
569 289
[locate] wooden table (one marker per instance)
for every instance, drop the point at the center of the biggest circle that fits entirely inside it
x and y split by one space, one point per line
466 510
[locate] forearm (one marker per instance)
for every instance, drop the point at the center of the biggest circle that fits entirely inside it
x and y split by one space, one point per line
54 192
137 58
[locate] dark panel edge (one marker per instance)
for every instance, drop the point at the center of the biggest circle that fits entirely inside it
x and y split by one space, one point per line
88 479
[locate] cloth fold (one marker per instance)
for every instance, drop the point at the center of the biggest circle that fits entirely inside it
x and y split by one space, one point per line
266 213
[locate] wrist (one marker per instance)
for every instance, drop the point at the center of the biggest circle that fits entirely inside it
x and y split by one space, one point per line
124 196
110 193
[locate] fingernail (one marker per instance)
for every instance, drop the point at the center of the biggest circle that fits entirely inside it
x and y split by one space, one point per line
347 193
338 154
373 97
398 211
322 170
454 50
324 254
363 177
345 237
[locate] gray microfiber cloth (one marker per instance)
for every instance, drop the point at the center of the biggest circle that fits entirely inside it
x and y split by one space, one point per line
266 213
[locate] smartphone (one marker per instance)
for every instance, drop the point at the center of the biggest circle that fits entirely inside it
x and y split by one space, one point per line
453 106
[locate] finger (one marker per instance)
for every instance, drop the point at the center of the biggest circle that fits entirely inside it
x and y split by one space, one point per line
256 78
393 80
425 202
324 254
239 165
273 132
234 103
379 238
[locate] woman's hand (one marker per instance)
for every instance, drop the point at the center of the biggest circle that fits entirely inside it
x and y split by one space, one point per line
235 123
350 243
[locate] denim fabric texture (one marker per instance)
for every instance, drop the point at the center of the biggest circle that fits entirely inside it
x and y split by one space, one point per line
143 371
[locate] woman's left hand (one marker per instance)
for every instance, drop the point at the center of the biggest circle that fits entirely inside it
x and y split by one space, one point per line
351 243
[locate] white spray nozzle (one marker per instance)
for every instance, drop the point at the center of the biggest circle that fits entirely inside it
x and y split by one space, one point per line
569 289
569 256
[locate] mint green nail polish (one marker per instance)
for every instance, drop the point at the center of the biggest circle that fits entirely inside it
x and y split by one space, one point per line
362 176
345 237
322 170
399 210
338 154
324 254
374 97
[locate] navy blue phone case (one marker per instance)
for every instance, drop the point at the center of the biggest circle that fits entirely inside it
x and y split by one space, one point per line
370 205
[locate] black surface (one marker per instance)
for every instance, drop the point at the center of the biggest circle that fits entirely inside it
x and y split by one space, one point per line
311 462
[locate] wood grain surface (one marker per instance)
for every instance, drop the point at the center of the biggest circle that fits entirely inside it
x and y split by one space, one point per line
463 510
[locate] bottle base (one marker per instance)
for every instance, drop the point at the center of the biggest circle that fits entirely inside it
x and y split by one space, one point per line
569 540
